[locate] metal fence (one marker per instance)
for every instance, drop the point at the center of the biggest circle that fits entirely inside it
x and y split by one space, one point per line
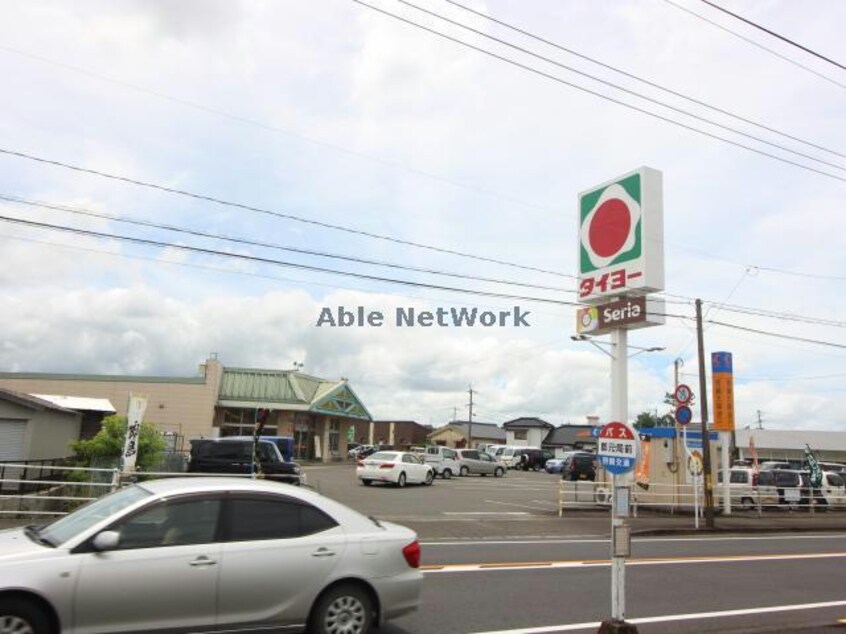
686 498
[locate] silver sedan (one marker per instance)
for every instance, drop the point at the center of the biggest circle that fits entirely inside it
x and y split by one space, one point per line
208 554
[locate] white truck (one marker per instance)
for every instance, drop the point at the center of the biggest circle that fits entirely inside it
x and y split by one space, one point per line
443 460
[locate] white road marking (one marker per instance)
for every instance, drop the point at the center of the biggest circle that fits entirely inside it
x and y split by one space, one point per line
601 563
523 506
484 513
569 627
598 539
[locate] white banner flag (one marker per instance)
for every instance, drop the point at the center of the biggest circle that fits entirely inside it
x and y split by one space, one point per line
134 416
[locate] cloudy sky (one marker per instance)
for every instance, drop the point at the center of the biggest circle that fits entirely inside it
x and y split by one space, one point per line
335 117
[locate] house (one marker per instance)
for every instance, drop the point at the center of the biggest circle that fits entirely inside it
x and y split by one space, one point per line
32 429
570 438
526 431
457 433
789 444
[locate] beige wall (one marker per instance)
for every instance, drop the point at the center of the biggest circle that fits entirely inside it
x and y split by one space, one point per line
182 407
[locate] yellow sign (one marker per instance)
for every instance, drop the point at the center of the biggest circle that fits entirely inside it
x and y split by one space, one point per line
722 383
694 463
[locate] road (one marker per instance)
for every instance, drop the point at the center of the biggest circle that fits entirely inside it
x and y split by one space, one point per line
498 559
559 584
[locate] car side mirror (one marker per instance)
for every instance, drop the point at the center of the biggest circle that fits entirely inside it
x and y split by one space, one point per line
107 540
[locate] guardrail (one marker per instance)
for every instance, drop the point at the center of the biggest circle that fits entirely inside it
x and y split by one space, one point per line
25 492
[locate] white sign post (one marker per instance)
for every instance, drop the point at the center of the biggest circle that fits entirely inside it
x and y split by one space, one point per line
134 415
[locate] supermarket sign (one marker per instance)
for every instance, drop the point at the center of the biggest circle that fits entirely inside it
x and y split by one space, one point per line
621 237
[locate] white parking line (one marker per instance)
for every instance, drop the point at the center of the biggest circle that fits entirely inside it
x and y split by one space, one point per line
570 627
599 539
484 513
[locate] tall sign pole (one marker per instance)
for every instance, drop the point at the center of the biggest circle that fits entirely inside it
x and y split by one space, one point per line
621 261
703 410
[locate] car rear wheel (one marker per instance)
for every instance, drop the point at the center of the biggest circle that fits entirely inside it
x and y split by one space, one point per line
22 617
747 504
498 472
430 477
464 471
367 483
345 609
446 474
401 480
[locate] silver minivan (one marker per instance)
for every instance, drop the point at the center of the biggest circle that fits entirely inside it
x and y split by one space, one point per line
473 461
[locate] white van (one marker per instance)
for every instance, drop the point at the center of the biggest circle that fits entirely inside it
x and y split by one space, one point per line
444 461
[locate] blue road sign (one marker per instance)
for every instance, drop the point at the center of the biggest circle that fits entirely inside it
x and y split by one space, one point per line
683 415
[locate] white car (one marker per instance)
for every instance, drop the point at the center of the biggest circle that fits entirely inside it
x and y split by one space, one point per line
397 467
208 554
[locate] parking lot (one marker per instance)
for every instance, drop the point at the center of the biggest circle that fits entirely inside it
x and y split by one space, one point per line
521 504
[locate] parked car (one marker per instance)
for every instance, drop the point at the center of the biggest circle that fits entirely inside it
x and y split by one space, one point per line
235 455
495 451
443 460
473 461
833 489
208 554
285 444
788 484
396 467
769 465
554 465
529 458
747 487
579 465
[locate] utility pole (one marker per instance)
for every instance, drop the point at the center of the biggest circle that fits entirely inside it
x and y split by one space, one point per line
470 421
454 414
760 422
703 409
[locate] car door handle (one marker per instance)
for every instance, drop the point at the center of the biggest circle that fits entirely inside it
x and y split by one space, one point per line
323 552
202 561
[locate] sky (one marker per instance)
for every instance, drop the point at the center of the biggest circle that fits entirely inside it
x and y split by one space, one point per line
331 127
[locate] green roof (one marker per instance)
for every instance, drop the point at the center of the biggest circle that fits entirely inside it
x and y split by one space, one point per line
241 387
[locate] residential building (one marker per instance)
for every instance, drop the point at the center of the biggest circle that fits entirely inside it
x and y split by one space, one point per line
566 438
526 431
456 434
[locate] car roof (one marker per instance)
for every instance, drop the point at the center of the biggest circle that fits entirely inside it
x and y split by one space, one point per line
166 487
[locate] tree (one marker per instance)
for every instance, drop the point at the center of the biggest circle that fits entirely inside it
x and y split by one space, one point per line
645 420
107 445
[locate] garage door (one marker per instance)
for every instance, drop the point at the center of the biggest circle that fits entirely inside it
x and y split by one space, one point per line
12 433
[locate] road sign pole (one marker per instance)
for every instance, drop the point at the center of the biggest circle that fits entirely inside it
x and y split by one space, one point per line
620 484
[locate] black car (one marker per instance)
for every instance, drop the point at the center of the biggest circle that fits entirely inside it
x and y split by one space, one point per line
533 459
235 455
579 466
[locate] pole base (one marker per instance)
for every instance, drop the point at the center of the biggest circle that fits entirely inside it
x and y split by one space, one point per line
617 627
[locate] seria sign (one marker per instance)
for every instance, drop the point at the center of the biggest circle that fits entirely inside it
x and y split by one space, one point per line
630 313
621 237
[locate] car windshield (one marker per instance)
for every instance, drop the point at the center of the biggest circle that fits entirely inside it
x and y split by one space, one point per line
383 455
92 513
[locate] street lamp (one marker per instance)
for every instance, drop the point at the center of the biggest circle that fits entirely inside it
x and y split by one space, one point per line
597 345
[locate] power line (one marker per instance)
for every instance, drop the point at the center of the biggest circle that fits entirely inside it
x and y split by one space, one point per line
774 34
640 79
774 334
262 260
271 245
271 128
600 95
296 265
277 214
619 87
756 44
